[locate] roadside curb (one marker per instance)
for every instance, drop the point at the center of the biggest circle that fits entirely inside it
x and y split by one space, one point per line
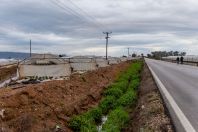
180 120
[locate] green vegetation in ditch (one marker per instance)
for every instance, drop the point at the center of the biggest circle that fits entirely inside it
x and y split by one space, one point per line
117 97
116 120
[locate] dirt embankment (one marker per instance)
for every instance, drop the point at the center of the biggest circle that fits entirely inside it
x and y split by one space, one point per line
150 113
47 106
7 72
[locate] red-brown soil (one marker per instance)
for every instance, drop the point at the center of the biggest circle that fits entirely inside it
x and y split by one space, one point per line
41 107
150 114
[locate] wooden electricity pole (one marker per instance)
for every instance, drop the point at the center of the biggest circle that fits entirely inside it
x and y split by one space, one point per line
107 40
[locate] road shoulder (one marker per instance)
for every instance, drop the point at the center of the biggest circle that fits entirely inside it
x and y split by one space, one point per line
179 119
150 113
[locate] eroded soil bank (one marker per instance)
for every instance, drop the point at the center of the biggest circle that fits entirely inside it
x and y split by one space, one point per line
150 113
48 106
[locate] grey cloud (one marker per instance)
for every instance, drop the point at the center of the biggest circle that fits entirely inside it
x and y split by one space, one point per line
154 24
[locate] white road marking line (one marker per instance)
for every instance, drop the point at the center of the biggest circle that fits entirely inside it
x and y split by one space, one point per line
180 115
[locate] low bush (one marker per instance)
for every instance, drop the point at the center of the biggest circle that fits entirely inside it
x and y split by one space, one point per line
127 99
77 122
96 114
124 77
86 121
89 127
116 120
134 84
114 91
120 84
107 103
135 76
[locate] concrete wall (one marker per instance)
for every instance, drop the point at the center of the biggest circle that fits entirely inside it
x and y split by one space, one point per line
102 62
86 66
45 70
81 60
124 59
113 61
73 65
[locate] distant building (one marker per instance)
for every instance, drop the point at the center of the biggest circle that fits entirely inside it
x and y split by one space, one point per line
42 65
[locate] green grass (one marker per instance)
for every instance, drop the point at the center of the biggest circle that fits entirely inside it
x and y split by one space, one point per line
120 84
134 84
116 120
116 98
86 121
127 99
115 92
96 114
77 123
107 104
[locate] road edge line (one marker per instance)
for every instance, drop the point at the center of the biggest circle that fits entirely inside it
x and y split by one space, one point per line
180 115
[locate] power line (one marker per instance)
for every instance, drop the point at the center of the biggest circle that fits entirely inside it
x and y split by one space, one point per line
69 10
66 10
83 14
86 14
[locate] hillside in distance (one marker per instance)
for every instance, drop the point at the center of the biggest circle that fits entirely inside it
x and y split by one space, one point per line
13 55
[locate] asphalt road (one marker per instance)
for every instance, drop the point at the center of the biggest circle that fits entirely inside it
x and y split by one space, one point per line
181 81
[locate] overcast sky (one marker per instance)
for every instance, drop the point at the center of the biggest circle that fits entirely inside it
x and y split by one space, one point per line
59 26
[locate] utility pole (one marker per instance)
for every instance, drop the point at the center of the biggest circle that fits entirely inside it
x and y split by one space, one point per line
30 48
107 40
128 51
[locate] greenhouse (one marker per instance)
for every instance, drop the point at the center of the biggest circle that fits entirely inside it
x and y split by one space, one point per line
42 65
